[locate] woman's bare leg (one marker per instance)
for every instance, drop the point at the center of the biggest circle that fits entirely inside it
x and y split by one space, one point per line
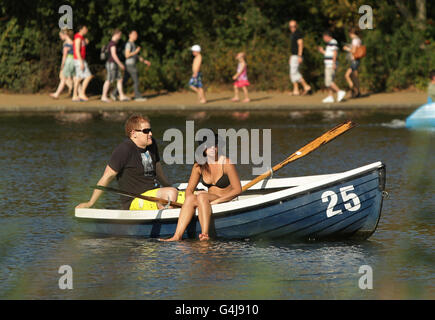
348 79
186 214
204 211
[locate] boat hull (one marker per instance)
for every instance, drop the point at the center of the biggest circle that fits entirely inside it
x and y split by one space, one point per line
344 208
423 117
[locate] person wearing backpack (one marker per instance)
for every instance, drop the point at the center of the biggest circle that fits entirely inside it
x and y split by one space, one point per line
113 67
357 51
132 57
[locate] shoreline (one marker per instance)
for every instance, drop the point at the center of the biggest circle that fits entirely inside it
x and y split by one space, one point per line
217 102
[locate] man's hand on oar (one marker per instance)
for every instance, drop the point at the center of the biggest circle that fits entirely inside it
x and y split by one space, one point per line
310 147
133 195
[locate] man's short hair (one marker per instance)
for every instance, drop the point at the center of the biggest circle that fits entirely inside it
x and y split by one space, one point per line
81 27
432 74
116 31
133 122
327 33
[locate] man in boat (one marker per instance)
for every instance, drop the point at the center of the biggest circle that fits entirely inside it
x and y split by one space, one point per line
136 165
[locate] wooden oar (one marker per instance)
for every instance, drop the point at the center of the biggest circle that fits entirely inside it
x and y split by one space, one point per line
310 147
133 195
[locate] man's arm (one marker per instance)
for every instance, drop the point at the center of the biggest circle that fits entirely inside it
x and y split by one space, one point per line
334 59
107 177
115 57
161 175
300 49
77 44
129 54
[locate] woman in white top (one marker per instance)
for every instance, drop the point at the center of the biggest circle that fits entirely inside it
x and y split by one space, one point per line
352 73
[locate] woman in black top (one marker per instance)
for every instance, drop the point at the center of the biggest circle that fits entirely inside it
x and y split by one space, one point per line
222 180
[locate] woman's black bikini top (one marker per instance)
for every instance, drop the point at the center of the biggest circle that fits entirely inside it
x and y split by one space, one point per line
222 183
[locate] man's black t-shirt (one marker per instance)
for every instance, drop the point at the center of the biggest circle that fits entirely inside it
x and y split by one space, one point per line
136 168
109 48
295 36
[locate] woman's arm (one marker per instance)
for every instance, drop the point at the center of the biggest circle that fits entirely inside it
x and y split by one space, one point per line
65 54
193 180
236 187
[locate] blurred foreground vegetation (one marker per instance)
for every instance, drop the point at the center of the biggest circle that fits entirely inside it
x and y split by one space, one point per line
400 48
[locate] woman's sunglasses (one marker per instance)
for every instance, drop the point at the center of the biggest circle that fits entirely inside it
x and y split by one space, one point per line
146 131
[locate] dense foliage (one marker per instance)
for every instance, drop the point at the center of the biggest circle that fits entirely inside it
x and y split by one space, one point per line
400 48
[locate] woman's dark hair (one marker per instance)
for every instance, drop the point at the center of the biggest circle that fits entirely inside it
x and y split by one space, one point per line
354 31
209 144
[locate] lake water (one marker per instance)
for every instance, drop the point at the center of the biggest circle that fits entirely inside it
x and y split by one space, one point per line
48 165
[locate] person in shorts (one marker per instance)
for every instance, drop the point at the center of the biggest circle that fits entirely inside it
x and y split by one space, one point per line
82 72
67 69
195 82
113 68
296 58
330 53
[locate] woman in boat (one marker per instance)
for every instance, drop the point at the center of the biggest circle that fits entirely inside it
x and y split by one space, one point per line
219 175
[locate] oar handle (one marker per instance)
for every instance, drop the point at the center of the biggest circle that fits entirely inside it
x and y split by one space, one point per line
133 195
308 148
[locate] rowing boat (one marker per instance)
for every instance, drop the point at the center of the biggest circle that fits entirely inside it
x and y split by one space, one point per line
344 205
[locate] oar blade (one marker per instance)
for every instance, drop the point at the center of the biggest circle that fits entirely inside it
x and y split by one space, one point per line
308 148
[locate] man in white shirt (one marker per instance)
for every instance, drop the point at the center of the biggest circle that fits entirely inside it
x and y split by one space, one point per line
330 53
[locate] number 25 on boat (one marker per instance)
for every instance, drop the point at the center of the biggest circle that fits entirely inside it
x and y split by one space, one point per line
350 200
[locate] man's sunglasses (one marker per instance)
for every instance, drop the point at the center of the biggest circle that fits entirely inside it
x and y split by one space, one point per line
146 131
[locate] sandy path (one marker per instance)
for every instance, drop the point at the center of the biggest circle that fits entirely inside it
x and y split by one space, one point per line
219 101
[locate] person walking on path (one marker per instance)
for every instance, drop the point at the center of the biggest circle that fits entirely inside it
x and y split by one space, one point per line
136 165
195 82
82 72
114 67
132 57
296 58
241 78
330 53
66 73
352 73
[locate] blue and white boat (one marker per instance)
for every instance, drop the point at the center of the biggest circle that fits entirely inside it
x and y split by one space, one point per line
343 205
423 117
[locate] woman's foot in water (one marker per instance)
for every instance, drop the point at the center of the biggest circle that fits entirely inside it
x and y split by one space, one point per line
204 237
170 239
